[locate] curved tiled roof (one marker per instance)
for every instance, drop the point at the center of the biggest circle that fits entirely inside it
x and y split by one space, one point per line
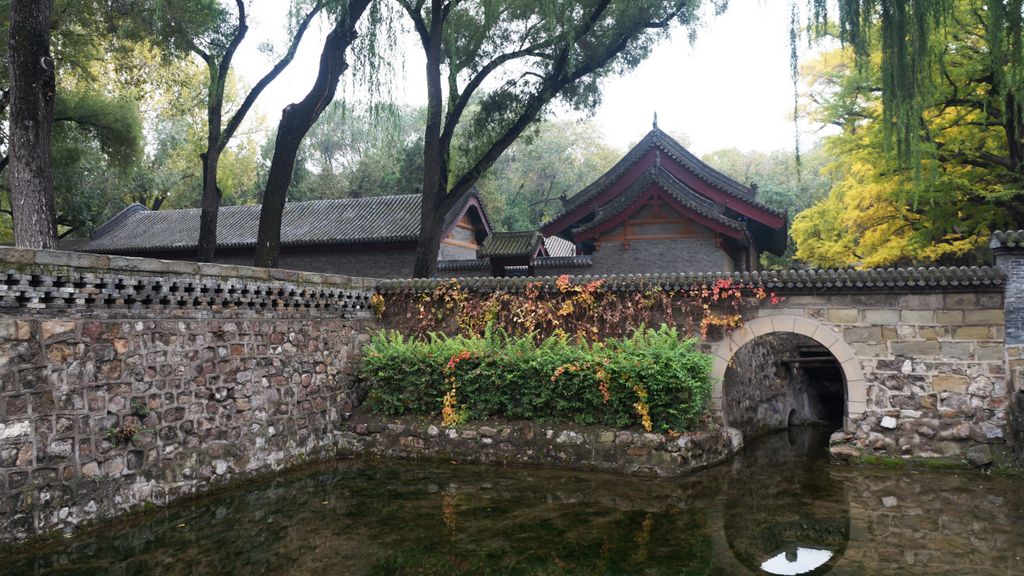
881 280
511 244
679 191
584 261
314 223
657 138
462 265
1007 239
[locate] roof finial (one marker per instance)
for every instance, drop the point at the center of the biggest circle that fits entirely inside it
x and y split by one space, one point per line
655 123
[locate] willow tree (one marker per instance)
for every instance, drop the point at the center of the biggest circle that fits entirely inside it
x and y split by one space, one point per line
912 38
514 58
296 120
216 45
966 176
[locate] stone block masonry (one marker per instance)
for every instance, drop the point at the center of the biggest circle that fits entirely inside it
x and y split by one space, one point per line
125 381
1008 248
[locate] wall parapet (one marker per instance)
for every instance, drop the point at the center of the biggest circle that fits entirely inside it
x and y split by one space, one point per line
55 280
938 279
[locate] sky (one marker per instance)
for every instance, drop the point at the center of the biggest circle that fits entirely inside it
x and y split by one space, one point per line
730 89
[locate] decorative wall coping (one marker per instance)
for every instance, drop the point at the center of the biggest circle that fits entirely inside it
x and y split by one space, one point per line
1007 239
461 265
878 280
584 261
51 279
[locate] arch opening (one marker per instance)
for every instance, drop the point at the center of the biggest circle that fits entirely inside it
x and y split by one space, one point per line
781 380
818 354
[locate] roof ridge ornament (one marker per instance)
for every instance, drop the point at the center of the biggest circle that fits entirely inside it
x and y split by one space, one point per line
654 124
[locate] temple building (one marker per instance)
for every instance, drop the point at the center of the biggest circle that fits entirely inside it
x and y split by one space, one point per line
371 236
661 209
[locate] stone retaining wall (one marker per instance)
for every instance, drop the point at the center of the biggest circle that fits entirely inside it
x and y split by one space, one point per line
925 374
127 381
576 448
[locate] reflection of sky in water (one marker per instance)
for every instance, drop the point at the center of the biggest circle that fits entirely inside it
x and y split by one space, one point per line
801 561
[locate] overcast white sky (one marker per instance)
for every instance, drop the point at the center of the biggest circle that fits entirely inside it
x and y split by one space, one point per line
730 89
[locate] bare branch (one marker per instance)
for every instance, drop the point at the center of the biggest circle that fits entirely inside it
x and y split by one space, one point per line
250 98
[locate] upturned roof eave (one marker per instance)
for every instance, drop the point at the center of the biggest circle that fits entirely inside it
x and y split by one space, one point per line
655 138
678 191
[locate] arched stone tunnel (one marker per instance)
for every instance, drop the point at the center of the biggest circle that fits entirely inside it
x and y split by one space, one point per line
779 380
781 371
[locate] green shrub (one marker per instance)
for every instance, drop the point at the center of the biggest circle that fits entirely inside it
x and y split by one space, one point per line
612 383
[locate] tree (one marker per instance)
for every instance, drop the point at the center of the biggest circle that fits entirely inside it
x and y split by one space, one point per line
532 53
33 91
216 48
526 184
774 176
360 150
903 43
296 120
967 179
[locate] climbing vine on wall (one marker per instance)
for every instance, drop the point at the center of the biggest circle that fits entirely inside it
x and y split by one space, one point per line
585 310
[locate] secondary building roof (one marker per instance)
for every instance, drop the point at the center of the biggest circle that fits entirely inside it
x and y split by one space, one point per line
372 219
512 245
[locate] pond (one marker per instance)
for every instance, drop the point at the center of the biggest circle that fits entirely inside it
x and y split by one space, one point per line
779 508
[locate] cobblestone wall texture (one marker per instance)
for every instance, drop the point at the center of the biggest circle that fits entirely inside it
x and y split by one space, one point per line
220 371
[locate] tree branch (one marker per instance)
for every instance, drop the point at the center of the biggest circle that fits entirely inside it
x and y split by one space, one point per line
236 40
454 114
250 99
417 20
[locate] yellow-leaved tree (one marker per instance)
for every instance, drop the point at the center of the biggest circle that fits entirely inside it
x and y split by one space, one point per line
964 177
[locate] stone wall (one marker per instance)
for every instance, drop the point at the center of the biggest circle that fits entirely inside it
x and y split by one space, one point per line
125 381
1008 248
921 351
925 374
563 446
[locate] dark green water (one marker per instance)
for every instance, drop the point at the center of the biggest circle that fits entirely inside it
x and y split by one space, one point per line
779 508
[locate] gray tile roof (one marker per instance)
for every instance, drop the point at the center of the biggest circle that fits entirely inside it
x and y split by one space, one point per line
584 261
511 244
318 222
658 139
1007 239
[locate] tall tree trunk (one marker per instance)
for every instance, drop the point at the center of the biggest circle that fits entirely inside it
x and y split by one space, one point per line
296 120
435 161
210 207
1012 130
428 244
217 139
33 85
